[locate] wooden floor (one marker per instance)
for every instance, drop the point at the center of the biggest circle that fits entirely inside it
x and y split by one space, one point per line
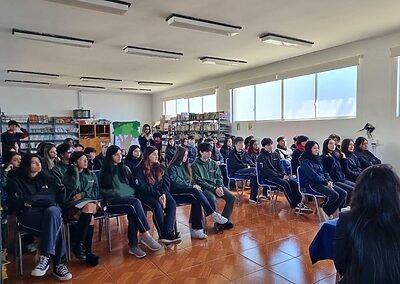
263 247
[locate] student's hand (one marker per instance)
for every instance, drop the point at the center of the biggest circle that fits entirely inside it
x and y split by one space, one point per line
285 177
343 155
163 201
77 197
150 137
330 184
197 187
219 191
9 168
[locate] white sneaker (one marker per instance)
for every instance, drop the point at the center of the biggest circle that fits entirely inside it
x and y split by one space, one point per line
42 267
198 234
218 218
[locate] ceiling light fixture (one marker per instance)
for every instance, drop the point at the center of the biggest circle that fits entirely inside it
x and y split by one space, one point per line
97 79
85 87
281 40
135 89
34 74
155 84
152 52
109 6
26 82
222 61
187 22
58 39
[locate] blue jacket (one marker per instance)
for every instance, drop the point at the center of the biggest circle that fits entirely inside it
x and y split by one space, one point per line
334 168
237 161
351 166
366 158
192 152
313 172
296 160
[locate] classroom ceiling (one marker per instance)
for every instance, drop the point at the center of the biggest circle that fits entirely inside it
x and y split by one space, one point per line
327 23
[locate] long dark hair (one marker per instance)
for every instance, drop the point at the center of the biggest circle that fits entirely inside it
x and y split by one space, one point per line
375 218
25 166
226 142
344 147
325 149
358 143
307 154
214 154
154 172
108 169
251 143
247 141
178 160
130 151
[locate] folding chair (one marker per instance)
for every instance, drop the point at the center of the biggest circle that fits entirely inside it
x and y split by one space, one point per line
305 193
272 189
235 178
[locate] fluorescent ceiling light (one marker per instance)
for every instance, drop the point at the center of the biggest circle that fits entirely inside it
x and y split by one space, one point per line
181 21
18 82
152 52
58 39
152 83
34 74
135 89
276 39
85 87
109 6
103 80
222 61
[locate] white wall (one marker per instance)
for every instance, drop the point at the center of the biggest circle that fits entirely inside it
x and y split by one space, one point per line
376 101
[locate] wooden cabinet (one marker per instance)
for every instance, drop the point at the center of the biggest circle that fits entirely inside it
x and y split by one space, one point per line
94 135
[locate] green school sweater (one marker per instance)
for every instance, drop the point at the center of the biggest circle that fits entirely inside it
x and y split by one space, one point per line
207 174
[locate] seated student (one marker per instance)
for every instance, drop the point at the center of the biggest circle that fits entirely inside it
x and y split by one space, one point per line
191 149
351 165
226 148
335 138
215 153
271 170
252 153
82 191
294 145
365 157
78 147
301 141
34 197
284 152
41 146
208 176
50 158
247 142
367 241
70 141
98 161
90 153
8 172
333 166
318 181
154 192
170 150
239 166
217 143
133 158
183 187
116 186
64 152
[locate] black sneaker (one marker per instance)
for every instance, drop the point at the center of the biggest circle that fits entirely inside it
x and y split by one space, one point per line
227 226
61 272
42 266
218 228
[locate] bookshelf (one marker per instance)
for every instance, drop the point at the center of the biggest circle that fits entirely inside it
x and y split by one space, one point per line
92 134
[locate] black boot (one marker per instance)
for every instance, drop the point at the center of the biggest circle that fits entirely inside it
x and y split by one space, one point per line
79 251
83 229
91 259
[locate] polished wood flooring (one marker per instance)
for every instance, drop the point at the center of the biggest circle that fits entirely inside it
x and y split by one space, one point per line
263 247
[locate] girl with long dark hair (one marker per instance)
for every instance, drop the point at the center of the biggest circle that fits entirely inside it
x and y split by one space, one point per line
154 192
117 186
82 191
333 159
34 197
185 189
50 158
227 147
215 153
133 158
317 180
252 152
368 236
170 150
365 157
351 165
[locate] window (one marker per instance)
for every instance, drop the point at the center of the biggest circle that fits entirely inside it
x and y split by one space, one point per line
269 101
182 105
170 107
196 105
210 103
243 103
337 93
299 97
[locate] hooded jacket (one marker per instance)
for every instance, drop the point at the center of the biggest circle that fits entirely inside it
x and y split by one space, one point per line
237 161
333 167
313 170
351 166
179 179
207 174
269 165
366 158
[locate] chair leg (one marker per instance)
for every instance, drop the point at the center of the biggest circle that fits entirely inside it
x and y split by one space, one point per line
68 242
117 221
318 211
100 229
19 253
108 233
205 229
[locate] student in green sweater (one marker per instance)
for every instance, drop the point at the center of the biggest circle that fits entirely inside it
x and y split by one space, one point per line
64 151
185 189
208 176
117 188
82 190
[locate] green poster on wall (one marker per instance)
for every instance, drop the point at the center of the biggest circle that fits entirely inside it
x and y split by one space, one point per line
126 133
